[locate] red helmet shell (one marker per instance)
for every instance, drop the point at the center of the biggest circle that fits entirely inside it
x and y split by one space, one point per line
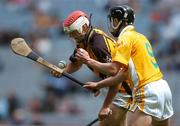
75 21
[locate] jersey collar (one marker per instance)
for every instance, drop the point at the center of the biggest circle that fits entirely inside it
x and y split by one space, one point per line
129 27
89 34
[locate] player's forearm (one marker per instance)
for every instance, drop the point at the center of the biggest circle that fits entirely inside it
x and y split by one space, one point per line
105 68
72 67
113 80
110 96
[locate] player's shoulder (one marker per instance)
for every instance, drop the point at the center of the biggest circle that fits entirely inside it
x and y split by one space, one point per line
98 31
97 36
126 37
131 35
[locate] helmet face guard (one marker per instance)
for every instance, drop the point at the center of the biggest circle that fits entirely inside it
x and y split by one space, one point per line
118 17
75 22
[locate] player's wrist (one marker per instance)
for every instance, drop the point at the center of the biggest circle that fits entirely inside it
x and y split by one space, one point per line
98 86
89 61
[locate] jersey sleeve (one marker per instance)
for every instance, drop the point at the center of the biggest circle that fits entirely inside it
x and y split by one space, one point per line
123 50
72 58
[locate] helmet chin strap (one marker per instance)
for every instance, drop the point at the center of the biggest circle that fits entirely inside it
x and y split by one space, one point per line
90 19
116 30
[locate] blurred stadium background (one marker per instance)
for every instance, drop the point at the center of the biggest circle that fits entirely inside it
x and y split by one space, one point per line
29 95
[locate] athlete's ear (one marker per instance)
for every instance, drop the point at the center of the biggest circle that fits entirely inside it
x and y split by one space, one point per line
85 28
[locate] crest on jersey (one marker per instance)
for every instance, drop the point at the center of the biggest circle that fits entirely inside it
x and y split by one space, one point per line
108 59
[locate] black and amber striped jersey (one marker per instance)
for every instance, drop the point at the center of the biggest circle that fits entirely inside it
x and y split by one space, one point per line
99 46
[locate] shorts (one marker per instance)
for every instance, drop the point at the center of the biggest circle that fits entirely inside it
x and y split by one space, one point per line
122 100
154 99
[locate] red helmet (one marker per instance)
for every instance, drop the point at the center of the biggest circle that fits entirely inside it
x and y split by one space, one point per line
75 21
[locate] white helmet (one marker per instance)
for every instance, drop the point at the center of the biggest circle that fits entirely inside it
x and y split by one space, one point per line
75 21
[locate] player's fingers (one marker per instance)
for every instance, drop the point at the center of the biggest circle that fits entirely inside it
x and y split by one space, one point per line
55 74
91 90
58 75
96 93
87 87
110 112
78 54
81 52
61 65
104 113
102 117
78 51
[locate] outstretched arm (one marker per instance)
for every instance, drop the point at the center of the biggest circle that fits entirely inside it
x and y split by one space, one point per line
110 81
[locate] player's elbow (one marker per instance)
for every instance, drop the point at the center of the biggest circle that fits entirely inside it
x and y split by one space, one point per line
116 67
113 69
